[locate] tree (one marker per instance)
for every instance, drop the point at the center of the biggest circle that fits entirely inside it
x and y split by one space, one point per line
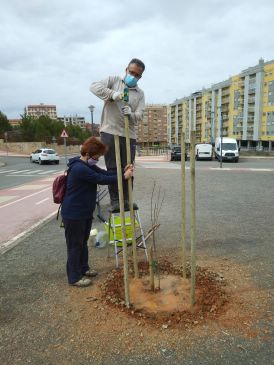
27 128
4 124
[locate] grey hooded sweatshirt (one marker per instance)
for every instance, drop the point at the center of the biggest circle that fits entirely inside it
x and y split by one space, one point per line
112 120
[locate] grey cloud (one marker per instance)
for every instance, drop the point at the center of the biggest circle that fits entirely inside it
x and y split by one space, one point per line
51 51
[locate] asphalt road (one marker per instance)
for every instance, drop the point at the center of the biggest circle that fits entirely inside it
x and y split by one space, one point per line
234 223
19 170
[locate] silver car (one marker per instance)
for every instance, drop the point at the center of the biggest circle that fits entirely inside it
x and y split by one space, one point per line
44 155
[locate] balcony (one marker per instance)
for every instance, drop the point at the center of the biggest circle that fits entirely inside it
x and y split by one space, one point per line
225 108
251 90
225 92
251 100
225 101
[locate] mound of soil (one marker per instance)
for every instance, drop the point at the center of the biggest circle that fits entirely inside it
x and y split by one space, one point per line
171 303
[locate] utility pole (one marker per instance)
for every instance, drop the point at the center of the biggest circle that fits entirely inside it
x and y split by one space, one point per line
91 108
221 132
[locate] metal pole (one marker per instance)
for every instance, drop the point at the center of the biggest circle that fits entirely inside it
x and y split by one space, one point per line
183 202
193 218
6 139
92 123
65 150
122 216
221 149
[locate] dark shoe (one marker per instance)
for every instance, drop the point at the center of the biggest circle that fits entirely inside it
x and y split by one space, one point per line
115 207
135 206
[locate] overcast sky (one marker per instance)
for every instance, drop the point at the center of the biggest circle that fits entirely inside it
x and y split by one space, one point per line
51 50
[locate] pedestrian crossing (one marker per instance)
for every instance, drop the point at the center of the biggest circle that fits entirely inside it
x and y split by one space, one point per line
29 172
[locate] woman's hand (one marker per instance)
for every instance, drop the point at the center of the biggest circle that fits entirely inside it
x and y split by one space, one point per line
130 166
128 172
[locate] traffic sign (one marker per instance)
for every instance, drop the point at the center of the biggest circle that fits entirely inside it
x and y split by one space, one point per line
64 134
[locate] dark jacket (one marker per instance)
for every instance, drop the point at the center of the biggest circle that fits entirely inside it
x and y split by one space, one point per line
80 198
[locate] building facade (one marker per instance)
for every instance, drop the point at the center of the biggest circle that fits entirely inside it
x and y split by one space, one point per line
152 131
73 120
15 122
38 110
241 107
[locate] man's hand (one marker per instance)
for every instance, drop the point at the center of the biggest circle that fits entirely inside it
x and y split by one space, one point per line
126 110
117 95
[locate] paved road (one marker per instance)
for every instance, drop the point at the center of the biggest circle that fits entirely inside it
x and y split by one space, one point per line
25 197
43 320
19 170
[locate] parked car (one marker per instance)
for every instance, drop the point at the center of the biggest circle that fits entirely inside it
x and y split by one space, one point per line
230 149
176 154
203 151
44 155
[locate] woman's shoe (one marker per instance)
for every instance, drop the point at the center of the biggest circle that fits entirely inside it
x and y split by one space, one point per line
82 283
91 273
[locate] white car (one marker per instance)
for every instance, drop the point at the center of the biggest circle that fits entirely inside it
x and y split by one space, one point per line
44 155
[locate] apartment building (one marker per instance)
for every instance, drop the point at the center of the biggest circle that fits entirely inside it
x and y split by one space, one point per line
241 107
41 109
15 122
152 131
73 120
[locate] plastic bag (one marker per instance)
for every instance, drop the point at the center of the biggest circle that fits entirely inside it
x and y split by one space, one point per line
101 239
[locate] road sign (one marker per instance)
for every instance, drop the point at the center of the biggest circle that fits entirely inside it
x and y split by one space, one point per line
64 134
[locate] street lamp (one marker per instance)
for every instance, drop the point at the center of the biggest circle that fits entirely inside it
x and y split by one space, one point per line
91 108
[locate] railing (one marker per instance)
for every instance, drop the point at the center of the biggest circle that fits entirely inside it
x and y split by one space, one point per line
152 151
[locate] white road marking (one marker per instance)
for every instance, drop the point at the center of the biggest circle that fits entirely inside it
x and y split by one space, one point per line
7 197
25 197
260 169
45 172
6 171
4 247
29 187
221 168
33 171
20 172
42 201
21 175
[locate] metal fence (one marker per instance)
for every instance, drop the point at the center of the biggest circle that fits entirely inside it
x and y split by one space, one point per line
152 151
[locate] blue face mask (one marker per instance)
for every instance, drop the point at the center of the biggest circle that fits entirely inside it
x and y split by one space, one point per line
92 162
130 80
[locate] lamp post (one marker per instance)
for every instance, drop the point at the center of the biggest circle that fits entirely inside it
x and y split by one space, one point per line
91 108
221 159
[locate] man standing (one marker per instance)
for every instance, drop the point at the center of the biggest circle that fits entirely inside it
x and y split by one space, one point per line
111 91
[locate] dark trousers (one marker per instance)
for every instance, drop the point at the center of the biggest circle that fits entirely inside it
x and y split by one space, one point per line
110 160
77 234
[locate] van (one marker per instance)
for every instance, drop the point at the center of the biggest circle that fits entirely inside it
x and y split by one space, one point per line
203 151
230 149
